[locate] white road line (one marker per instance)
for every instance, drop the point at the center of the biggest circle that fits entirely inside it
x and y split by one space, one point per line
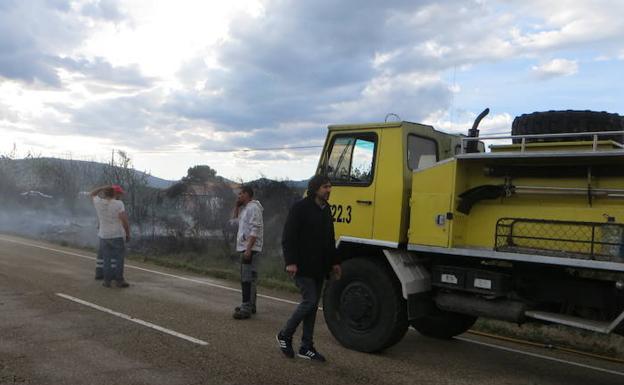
295 303
540 356
198 281
135 320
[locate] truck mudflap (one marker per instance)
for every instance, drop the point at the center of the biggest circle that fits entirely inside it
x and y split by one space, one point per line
415 281
414 277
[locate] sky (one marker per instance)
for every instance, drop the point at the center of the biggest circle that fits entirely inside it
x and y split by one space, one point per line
249 87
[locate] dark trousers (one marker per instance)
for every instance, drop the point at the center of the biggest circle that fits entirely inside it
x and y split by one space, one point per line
249 280
99 263
113 249
305 312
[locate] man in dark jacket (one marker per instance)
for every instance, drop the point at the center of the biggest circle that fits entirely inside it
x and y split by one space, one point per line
310 254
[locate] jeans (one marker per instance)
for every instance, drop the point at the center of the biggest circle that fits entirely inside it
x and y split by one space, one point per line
113 249
305 312
249 280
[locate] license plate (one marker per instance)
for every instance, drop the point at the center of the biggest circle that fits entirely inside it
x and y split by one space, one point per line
449 278
483 283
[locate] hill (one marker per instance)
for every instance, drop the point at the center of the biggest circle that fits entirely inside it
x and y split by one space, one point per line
31 172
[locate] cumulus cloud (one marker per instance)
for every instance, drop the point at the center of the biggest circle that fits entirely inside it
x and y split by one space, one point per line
38 37
298 63
358 60
101 70
555 68
103 9
283 74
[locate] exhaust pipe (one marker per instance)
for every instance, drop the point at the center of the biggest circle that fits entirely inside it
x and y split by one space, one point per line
473 145
501 309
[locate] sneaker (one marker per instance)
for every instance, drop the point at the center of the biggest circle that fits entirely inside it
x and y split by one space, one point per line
106 284
311 354
122 283
285 345
253 309
241 314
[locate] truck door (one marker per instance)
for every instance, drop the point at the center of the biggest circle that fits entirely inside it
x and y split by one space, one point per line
350 165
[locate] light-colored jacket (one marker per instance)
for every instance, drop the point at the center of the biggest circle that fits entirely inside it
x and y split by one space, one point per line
250 224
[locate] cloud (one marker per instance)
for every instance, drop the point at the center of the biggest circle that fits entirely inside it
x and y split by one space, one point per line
100 70
103 9
311 62
38 36
359 60
555 68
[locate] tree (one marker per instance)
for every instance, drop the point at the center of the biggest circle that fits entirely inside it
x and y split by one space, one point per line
120 171
200 174
8 183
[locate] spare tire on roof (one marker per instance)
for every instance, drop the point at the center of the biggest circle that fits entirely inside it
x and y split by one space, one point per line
569 121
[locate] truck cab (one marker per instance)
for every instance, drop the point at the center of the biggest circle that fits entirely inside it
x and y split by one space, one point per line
371 187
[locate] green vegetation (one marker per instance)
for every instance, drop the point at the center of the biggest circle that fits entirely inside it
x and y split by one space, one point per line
271 274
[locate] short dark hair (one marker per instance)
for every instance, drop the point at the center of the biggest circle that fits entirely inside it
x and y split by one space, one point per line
315 183
108 192
248 190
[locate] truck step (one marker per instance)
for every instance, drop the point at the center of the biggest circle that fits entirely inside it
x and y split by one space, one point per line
577 322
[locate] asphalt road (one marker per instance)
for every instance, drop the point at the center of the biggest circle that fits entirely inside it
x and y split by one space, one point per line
55 329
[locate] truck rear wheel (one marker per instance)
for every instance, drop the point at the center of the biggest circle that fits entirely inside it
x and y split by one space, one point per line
365 309
557 122
443 324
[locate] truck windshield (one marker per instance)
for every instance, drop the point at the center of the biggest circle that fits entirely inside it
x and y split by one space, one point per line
351 160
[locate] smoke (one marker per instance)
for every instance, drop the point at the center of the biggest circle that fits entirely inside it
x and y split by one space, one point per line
59 227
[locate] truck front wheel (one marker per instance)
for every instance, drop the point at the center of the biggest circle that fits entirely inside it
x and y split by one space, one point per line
443 324
365 309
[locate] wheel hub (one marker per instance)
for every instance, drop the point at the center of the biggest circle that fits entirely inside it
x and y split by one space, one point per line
359 306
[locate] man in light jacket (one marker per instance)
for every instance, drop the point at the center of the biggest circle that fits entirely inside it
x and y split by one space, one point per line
248 212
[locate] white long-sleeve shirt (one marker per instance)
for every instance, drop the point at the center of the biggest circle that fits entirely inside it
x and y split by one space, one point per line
250 224
108 211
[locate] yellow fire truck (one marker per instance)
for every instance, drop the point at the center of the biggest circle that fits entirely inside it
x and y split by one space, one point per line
435 232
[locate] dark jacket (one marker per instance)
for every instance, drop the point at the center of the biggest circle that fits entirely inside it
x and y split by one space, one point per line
308 239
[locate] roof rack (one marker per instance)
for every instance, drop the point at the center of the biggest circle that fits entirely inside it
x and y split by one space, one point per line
593 135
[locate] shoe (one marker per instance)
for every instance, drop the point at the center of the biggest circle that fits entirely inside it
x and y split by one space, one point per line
311 354
122 283
285 345
241 314
106 284
253 309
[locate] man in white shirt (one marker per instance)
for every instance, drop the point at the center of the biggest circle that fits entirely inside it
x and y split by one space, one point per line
114 229
249 239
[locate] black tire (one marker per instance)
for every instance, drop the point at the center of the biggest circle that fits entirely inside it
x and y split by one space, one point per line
443 324
558 122
365 309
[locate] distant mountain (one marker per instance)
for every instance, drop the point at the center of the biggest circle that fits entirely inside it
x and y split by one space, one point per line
28 172
156 182
298 184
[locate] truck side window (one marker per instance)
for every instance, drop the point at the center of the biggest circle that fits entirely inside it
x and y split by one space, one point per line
351 160
421 152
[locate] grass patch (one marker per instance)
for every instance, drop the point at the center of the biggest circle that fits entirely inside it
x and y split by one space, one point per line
270 276
611 345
